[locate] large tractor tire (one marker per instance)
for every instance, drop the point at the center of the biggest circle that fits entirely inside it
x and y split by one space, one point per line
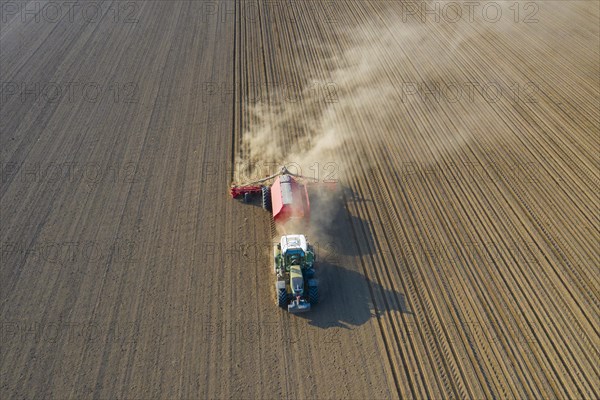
247 197
313 294
282 298
266 198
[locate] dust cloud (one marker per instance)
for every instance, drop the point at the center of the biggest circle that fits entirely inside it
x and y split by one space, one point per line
388 70
386 78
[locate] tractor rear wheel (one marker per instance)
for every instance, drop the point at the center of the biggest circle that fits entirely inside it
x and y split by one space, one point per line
247 197
266 198
313 294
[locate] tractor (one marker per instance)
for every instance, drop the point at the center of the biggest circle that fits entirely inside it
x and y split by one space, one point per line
287 199
294 265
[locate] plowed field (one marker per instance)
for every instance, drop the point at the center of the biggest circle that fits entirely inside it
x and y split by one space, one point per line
458 257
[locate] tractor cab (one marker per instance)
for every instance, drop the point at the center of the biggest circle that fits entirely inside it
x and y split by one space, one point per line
294 257
296 251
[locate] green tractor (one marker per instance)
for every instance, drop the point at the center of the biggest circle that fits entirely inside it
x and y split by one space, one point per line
294 263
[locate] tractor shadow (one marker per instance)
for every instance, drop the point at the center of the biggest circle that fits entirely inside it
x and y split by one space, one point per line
346 299
343 242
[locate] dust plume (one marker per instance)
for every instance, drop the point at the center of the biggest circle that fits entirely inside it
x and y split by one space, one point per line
381 94
387 70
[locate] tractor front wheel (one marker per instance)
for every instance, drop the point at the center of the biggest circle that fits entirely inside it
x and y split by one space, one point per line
282 298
